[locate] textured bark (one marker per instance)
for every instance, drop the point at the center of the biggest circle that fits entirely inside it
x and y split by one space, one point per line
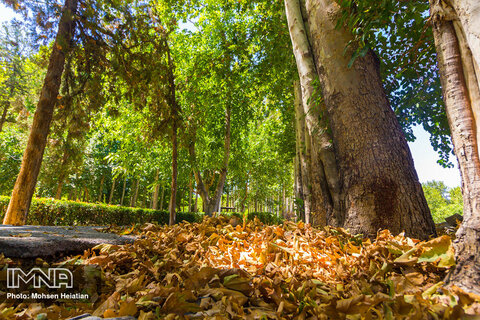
324 176
457 69
380 187
211 203
303 191
32 158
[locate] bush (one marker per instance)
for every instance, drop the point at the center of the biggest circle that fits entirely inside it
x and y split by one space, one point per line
45 211
49 212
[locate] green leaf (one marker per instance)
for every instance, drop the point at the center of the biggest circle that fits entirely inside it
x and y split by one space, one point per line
438 250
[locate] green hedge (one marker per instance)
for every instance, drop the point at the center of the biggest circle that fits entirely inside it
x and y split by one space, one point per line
45 211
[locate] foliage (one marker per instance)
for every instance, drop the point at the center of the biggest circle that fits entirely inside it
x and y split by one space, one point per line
291 271
10 158
443 202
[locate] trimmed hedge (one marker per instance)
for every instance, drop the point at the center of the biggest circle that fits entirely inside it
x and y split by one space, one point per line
44 211
50 212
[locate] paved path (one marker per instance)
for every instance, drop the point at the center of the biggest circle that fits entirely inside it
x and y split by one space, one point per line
47 241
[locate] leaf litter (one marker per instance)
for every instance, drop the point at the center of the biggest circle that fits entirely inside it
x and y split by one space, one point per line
222 268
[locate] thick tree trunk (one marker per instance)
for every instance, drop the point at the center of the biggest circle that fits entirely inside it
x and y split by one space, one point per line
32 158
380 187
110 198
457 69
156 192
323 174
123 190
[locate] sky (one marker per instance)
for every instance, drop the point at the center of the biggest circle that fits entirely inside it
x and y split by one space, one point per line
424 157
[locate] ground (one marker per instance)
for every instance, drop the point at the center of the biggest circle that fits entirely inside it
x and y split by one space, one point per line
231 269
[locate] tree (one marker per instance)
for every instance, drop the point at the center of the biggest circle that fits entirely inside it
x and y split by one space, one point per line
322 168
380 188
456 32
442 201
32 158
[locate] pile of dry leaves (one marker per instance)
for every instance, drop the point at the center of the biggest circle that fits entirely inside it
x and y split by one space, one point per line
222 269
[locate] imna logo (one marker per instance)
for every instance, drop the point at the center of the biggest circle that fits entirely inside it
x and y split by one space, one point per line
53 278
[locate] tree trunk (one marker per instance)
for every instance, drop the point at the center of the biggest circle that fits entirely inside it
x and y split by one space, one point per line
110 198
32 158
3 118
173 193
100 191
195 206
190 194
301 136
323 169
123 190
156 192
456 56
175 114
161 198
86 195
380 187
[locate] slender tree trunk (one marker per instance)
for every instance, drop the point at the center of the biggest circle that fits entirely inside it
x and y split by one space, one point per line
195 207
3 118
456 52
190 194
100 191
161 198
110 198
32 158
380 187
156 192
123 190
173 193
175 118
302 154
86 195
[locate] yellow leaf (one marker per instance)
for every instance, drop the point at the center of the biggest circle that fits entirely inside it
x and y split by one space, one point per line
109 313
127 309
